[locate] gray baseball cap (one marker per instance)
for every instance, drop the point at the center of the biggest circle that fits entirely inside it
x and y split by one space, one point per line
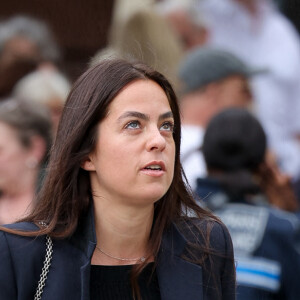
205 65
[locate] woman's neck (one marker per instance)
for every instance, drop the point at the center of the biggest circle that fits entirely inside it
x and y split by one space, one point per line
122 232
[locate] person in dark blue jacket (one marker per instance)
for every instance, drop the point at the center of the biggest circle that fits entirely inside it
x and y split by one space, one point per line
266 239
114 219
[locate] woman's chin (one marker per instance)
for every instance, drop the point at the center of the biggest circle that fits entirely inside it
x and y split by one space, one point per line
152 196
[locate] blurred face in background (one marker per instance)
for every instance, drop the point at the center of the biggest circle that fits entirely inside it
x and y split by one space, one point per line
18 48
190 34
199 106
14 157
234 91
250 5
55 107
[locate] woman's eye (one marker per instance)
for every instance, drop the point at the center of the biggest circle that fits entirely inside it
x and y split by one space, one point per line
133 125
167 126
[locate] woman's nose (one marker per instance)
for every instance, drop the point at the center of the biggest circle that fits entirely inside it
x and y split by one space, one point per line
155 140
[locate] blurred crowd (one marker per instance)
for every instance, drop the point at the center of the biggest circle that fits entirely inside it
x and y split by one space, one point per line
235 65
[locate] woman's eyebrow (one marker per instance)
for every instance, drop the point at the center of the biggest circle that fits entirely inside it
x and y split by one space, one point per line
166 115
134 114
142 116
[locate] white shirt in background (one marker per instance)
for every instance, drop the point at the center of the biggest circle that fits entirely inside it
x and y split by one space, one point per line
191 156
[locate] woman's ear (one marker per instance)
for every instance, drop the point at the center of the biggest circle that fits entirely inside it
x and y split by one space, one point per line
87 164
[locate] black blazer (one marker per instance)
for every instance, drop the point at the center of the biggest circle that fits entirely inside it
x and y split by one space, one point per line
21 262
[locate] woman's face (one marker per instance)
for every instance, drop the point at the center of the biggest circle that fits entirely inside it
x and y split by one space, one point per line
13 157
133 162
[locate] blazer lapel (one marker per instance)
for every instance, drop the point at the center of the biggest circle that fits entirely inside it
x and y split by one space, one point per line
85 239
85 274
178 279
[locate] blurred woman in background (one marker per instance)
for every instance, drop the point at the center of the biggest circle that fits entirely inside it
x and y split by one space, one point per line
25 137
46 87
26 44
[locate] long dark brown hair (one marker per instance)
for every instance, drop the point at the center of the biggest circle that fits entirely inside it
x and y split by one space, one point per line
66 192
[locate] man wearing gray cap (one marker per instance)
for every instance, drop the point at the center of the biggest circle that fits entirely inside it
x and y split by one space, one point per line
212 80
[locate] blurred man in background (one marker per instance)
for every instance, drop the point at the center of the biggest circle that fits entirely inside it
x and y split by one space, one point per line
212 80
255 31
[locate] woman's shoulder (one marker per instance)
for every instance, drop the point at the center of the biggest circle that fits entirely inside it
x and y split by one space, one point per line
206 231
21 251
209 245
194 226
13 238
21 258
22 226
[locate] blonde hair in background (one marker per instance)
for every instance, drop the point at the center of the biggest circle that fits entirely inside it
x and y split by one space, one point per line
147 37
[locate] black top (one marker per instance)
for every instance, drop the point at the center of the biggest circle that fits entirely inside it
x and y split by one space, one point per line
113 283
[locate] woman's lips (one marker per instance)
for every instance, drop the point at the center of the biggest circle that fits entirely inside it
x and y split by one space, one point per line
153 173
154 168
